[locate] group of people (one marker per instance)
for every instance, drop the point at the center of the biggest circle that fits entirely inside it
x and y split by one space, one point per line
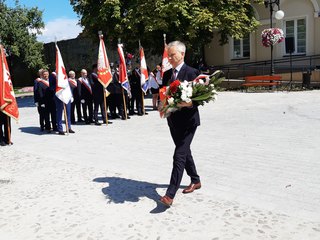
89 98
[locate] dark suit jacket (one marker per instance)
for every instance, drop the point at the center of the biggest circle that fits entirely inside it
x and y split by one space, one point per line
97 88
186 117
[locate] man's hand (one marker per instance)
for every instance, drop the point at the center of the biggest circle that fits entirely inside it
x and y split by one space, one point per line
184 104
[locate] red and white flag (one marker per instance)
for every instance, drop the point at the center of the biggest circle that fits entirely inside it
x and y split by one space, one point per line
165 66
63 90
144 76
8 103
104 70
123 76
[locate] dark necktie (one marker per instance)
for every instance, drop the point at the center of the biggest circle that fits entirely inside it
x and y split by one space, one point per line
174 74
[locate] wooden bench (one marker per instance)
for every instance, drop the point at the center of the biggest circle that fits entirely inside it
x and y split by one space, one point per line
264 81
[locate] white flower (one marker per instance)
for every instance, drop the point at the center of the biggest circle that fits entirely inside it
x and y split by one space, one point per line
170 100
189 91
188 100
201 81
183 96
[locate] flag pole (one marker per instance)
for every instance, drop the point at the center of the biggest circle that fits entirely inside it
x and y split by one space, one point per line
123 97
104 91
66 117
105 105
9 130
142 93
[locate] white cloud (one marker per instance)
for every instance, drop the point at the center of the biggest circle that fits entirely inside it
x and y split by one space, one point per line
60 29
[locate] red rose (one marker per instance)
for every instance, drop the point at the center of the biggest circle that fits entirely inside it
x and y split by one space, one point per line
174 86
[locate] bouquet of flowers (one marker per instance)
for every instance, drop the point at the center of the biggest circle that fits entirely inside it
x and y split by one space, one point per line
200 91
272 36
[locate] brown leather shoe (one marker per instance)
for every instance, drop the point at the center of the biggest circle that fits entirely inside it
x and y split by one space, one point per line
192 187
166 201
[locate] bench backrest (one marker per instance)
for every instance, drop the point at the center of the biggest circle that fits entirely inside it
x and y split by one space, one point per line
263 78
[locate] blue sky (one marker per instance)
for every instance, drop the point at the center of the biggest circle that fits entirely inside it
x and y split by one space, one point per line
58 16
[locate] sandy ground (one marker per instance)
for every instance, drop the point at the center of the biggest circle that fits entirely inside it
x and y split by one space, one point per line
258 156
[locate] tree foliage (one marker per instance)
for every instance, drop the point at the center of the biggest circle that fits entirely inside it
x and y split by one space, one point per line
18 29
192 21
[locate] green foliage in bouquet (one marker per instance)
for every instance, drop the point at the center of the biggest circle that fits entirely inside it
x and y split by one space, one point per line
205 92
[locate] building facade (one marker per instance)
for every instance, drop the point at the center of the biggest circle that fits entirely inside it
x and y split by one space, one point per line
301 25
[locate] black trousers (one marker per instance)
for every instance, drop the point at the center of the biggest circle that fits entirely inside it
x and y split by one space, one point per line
76 105
87 108
182 159
51 108
99 103
44 118
5 128
136 98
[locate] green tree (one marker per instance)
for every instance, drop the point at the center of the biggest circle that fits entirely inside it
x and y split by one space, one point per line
192 21
18 29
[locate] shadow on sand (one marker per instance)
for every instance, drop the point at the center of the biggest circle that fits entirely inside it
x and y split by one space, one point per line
25 101
32 130
122 190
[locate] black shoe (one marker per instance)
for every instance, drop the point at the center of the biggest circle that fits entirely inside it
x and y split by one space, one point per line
2 143
61 133
55 130
140 114
124 118
97 123
71 131
80 120
41 129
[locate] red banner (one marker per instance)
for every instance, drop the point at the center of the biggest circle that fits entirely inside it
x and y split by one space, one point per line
8 103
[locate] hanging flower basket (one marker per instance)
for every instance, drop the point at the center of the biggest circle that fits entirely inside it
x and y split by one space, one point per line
272 36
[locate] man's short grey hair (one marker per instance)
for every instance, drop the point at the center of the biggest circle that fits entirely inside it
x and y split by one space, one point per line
181 47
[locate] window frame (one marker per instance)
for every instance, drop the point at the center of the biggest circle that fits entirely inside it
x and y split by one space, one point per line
241 56
295 29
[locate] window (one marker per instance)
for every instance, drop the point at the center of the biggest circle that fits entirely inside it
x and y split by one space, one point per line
297 29
241 47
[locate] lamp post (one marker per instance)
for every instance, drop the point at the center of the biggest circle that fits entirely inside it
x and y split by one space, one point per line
278 15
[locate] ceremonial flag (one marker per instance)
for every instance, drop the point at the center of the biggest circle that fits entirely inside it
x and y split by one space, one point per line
63 90
165 66
123 76
8 103
144 76
104 70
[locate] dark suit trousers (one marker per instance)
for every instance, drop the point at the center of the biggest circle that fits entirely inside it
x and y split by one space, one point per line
5 123
182 159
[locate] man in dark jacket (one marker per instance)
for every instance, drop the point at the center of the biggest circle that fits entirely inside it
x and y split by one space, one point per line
98 96
86 97
39 93
182 124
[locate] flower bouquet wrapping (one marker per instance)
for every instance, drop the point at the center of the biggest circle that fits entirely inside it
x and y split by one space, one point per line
200 91
271 36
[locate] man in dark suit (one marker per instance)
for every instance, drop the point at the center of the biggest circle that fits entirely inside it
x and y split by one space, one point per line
98 96
183 124
86 97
